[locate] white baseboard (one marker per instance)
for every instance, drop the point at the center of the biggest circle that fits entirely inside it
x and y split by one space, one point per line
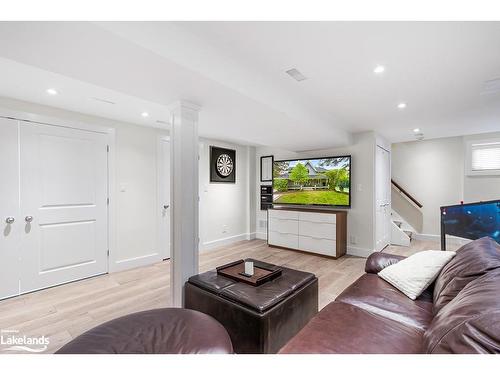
261 235
125 264
437 238
210 245
358 251
427 237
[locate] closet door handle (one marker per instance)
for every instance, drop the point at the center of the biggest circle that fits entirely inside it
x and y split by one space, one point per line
28 219
9 220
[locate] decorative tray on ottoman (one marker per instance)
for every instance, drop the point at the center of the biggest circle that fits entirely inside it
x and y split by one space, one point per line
236 271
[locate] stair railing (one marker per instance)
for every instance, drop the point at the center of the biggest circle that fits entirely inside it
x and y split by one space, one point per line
406 194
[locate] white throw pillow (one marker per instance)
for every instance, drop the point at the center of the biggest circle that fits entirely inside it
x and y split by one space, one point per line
414 274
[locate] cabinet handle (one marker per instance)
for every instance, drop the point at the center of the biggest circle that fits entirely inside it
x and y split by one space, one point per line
28 219
9 220
316 238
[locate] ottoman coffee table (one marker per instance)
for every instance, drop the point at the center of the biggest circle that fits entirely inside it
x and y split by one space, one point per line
259 319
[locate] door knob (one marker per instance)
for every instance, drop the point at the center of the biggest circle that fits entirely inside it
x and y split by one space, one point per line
165 206
28 219
9 220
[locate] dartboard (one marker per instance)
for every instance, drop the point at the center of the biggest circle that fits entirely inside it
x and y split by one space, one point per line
224 165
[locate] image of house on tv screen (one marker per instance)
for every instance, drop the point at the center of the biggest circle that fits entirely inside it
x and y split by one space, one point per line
324 181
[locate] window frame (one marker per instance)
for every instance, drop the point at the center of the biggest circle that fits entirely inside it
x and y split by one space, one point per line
468 157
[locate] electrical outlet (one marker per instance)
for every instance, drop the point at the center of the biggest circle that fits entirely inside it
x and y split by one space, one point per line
353 240
224 228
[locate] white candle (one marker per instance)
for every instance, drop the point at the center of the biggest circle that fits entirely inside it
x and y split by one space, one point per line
249 268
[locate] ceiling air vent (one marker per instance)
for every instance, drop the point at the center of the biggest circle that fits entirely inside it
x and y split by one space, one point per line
491 87
162 122
103 100
296 75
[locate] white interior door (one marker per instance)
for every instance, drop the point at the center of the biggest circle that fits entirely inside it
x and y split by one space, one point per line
164 198
9 208
64 213
383 198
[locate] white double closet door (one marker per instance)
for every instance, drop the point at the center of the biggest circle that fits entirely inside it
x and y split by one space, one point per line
53 205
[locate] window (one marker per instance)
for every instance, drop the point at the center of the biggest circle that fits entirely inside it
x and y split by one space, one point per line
483 157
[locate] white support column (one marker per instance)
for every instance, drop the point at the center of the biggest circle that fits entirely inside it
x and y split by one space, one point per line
184 197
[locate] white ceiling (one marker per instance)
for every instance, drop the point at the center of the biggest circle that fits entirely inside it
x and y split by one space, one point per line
235 71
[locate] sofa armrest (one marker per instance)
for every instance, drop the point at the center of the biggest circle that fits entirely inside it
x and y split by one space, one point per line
376 262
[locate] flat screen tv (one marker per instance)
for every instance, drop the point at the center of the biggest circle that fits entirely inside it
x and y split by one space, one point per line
313 182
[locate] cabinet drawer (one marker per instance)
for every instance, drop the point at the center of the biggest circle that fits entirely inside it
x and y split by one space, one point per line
318 217
318 245
318 230
284 226
283 239
280 214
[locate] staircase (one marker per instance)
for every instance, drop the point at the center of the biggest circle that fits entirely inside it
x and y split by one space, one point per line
399 224
402 232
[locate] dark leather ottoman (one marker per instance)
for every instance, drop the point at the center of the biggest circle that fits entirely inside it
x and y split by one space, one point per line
159 331
258 319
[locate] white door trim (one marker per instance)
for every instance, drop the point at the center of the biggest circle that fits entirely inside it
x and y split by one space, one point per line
386 172
160 183
111 135
54 121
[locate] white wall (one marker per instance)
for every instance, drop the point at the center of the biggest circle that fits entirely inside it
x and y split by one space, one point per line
226 209
433 171
137 195
360 217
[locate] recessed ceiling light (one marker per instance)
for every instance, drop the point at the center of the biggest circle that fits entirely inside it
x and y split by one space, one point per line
416 130
51 91
296 75
379 69
144 114
402 105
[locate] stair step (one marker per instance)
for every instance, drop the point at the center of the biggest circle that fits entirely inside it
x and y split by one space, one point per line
398 223
409 234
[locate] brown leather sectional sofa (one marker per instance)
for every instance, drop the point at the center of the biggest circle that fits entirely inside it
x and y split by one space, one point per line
459 313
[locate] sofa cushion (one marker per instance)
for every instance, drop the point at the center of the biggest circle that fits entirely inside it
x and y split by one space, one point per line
377 296
470 323
414 274
472 261
343 328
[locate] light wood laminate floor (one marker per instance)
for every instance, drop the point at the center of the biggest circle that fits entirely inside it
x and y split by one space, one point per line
66 311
